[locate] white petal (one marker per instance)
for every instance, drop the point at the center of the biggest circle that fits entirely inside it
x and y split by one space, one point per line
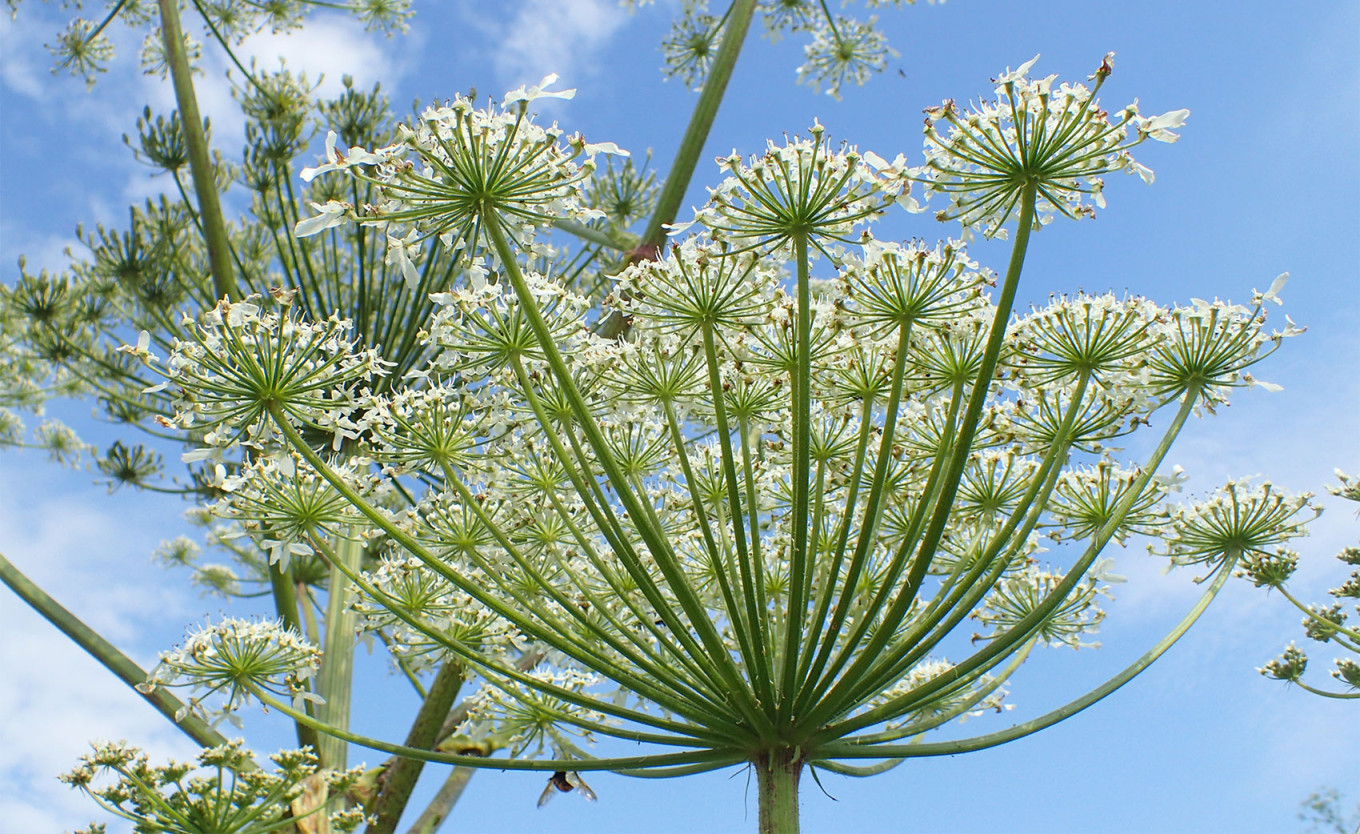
1174 118
593 148
1273 294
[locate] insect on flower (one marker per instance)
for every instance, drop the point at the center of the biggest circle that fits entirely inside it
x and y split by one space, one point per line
564 781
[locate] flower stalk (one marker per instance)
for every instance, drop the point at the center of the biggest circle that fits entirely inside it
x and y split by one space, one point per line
700 123
200 159
777 775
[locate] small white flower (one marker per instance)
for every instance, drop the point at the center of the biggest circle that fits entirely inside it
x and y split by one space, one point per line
536 92
142 350
340 157
332 214
1273 294
1159 127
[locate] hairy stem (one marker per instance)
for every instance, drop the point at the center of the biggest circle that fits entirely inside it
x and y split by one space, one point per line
777 773
400 778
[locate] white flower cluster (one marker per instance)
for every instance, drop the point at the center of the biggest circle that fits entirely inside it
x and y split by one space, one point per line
457 163
763 511
1056 141
803 188
236 658
227 793
241 366
1241 520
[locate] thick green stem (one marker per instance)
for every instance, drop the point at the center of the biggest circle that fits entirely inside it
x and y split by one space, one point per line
200 161
777 773
105 652
400 778
696 134
337 664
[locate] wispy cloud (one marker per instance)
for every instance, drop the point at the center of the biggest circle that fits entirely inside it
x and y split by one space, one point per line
55 699
544 36
329 47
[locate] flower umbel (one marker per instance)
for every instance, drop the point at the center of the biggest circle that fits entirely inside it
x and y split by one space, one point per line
236 658
459 162
241 361
226 793
1240 520
803 189
1058 142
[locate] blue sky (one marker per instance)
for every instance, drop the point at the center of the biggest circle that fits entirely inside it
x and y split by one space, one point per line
1266 179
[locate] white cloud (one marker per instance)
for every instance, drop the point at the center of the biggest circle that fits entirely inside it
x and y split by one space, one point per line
60 701
17 69
328 47
561 36
90 552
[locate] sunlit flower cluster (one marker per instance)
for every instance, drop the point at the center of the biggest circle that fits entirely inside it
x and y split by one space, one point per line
459 162
1054 140
804 188
226 792
844 51
236 660
241 361
618 518
287 508
839 50
1241 519
758 518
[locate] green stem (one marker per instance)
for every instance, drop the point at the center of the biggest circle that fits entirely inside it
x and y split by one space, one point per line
777 773
1031 621
285 603
531 626
1354 634
337 664
400 778
105 652
758 659
802 436
200 161
1324 693
696 134
711 759
686 597
847 749
944 500
590 234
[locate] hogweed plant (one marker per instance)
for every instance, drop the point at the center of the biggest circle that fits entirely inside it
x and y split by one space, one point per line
61 333
752 531
728 489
